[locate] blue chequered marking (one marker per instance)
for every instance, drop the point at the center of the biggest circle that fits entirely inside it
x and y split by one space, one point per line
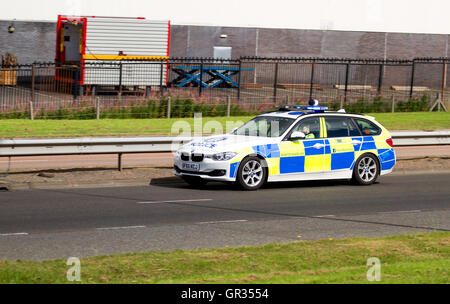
368 143
327 147
292 164
233 169
357 147
270 150
342 160
388 165
387 158
310 150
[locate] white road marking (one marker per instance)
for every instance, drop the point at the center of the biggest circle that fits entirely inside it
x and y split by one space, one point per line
402 211
13 234
219 222
327 215
116 228
177 201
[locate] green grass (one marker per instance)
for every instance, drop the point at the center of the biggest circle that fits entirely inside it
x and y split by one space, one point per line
420 258
22 128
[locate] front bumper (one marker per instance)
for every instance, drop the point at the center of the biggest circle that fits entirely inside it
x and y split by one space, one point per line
209 169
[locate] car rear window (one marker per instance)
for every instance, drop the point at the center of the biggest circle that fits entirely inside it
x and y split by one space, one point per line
367 127
340 127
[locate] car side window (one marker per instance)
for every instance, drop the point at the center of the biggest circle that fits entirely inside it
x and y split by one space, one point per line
367 128
309 126
340 127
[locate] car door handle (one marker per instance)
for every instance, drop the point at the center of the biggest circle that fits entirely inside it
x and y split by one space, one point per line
318 146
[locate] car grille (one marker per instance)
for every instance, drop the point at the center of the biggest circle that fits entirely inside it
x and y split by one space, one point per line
197 157
184 156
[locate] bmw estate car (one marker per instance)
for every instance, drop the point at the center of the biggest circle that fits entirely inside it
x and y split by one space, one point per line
293 143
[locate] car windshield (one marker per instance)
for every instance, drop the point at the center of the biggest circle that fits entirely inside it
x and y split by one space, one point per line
265 126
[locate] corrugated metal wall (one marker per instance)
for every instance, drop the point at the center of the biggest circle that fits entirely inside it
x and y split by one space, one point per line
109 36
138 37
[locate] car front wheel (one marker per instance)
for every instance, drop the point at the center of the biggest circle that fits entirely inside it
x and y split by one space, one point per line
251 174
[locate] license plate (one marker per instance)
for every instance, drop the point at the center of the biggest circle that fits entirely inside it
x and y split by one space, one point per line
190 166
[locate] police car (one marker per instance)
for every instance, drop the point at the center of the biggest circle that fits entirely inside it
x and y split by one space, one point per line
293 143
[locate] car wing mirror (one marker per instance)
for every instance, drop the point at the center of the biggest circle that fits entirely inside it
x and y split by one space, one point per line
297 135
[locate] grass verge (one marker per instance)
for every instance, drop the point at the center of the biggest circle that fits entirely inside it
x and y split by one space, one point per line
419 258
22 128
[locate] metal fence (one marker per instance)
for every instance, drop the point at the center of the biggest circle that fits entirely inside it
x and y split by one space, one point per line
249 82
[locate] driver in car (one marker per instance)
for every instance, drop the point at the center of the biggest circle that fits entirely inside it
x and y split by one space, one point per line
306 129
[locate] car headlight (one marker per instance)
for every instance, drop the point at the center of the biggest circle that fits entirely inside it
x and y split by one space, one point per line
224 156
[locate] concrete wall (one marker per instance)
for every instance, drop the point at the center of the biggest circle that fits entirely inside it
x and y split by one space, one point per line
198 41
31 41
35 41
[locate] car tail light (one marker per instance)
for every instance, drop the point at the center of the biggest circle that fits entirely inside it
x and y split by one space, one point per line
389 142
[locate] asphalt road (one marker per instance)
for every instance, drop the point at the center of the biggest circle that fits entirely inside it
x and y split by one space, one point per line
157 159
48 224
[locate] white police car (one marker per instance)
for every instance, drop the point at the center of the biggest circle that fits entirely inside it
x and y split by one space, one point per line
291 144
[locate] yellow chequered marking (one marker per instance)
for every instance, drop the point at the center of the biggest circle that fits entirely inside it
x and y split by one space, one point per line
274 165
327 162
313 163
243 153
289 149
358 154
380 142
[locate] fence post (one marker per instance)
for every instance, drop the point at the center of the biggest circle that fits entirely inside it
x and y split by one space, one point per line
444 80
275 83
380 78
33 78
97 108
393 104
31 111
311 84
201 79
161 79
120 82
239 80
413 70
347 72
168 106
228 105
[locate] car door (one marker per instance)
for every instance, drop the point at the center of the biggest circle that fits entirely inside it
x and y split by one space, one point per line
306 155
342 140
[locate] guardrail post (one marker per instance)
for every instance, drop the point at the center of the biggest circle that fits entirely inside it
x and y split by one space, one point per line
168 106
119 161
97 108
228 105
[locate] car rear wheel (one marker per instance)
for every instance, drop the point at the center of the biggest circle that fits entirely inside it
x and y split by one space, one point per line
366 170
251 174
